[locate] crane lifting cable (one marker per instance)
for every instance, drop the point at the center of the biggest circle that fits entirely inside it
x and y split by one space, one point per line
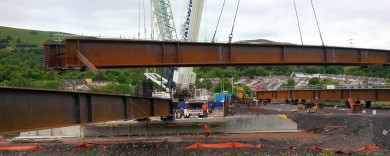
299 26
234 22
143 1
318 26
139 19
220 14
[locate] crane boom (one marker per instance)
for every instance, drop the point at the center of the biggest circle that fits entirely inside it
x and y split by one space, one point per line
191 20
163 19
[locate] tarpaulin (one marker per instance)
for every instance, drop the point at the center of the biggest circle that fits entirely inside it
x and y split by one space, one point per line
318 148
368 147
260 146
84 145
21 148
225 145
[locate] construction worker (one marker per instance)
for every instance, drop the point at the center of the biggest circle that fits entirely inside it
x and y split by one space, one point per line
205 107
207 130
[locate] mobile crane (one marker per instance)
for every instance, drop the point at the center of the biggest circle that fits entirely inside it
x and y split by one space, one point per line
180 83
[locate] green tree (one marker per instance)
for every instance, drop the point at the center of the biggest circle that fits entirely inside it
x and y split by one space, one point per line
9 38
226 84
255 71
207 84
314 81
122 79
327 81
229 71
331 70
114 88
313 69
359 73
290 82
33 32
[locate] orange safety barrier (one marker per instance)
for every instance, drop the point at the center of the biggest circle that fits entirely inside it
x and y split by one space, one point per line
225 145
22 148
318 148
260 146
84 145
339 151
368 147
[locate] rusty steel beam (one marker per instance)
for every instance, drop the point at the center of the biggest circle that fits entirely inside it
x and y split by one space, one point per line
331 94
29 109
134 53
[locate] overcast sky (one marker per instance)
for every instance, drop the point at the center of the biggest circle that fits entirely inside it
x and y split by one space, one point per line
366 22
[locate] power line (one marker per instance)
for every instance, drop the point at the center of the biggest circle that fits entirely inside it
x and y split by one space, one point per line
299 26
350 42
220 14
234 22
318 26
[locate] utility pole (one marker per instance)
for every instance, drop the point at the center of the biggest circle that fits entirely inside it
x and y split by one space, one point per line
350 42
232 83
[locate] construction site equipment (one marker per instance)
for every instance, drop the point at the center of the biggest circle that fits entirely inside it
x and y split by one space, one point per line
243 96
240 93
179 83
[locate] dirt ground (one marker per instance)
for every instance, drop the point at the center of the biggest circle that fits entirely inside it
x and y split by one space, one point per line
355 130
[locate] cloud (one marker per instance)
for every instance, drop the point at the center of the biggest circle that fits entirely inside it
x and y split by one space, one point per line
364 21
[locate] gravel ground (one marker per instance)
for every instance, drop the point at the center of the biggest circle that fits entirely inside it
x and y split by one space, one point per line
360 130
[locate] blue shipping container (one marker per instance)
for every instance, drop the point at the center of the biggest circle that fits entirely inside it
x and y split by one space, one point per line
220 97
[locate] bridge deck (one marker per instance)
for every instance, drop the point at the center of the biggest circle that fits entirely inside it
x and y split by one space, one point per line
28 109
103 53
330 94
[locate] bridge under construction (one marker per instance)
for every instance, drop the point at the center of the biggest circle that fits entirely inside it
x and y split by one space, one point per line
27 109
110 53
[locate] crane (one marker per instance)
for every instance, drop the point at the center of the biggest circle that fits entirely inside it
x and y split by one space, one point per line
181 82
163 20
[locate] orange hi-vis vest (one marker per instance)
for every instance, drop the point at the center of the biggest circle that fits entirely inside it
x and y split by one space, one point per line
207 128
204 107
